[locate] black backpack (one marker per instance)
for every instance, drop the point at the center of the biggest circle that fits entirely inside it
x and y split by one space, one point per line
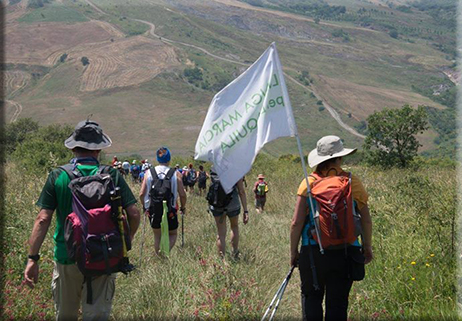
216 195
191 176
161 190
202 177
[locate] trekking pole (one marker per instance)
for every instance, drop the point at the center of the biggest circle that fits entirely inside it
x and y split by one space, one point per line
116 200
310 198
142 239
182 228
278 295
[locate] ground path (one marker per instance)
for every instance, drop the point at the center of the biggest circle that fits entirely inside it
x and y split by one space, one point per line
329 108
17 112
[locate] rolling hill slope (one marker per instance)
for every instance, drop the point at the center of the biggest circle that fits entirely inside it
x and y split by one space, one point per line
135 84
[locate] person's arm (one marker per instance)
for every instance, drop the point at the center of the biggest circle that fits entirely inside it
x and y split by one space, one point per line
366 224
143 191
181 193
296 228
39 231
133 215
243 197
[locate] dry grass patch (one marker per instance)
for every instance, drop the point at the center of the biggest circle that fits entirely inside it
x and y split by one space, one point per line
43 43
362 100
125 62
15 80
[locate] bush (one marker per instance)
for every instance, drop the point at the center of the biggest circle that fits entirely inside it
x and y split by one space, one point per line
16 133
85 61
393 34
44 149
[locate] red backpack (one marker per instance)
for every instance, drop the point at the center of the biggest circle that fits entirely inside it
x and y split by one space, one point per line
96 232
335 214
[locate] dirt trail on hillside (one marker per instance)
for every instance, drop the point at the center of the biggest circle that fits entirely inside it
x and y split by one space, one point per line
17 112
329 108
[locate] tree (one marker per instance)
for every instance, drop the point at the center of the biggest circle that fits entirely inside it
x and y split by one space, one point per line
391 138
63 57
85 61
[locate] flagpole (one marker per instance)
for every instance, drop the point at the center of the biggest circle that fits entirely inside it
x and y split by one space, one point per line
310 198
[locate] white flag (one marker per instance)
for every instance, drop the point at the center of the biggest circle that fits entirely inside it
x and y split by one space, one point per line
249 112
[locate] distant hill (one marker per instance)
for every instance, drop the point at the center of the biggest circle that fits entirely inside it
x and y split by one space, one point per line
147 70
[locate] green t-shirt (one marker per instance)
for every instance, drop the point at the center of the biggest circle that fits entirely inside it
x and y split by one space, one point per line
57 196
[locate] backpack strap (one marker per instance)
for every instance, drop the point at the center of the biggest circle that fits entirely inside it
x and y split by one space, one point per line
153 174
170 173
72 172
104 169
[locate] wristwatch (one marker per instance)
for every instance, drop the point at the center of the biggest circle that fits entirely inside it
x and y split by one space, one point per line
35 257
246 212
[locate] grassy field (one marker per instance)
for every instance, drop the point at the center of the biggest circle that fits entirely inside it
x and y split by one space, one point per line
413 276
53 13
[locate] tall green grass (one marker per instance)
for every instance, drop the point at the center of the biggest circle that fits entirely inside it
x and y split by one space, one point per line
412 276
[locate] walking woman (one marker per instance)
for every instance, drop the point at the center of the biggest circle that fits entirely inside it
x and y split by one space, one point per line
230 207
335 270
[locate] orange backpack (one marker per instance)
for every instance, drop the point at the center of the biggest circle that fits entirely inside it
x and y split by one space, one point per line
334 213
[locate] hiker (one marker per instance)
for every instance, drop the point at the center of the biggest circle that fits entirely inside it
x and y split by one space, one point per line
69 285
114 161
260 189
202 180
184 177
135 171
126 167
340 264
120 168
222 205
155 189
191 178
145 165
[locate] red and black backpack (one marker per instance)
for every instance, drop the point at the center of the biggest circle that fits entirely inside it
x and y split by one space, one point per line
97 234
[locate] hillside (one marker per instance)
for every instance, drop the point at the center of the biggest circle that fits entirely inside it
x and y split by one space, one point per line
339 62
412 277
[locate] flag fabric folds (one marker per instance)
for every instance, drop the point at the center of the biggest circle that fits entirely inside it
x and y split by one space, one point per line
249 112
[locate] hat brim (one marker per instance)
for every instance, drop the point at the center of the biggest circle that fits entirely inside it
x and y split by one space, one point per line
314 159
71 143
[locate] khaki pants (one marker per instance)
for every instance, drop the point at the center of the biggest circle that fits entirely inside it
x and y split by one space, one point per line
69 290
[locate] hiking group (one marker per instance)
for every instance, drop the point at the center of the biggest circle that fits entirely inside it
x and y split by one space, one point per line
97 219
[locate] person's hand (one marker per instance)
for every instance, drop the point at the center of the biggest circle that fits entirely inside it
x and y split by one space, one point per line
245 218
368 254
294 259
183 210
31 273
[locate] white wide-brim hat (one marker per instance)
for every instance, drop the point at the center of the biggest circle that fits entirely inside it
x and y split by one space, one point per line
326 148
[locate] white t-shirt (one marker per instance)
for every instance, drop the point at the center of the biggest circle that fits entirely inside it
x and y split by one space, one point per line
161 171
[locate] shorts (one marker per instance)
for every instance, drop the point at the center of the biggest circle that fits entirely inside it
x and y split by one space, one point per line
156 218
191 184
260 202
228 213
202 185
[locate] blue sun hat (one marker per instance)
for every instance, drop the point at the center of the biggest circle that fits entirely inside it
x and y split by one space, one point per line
163 155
